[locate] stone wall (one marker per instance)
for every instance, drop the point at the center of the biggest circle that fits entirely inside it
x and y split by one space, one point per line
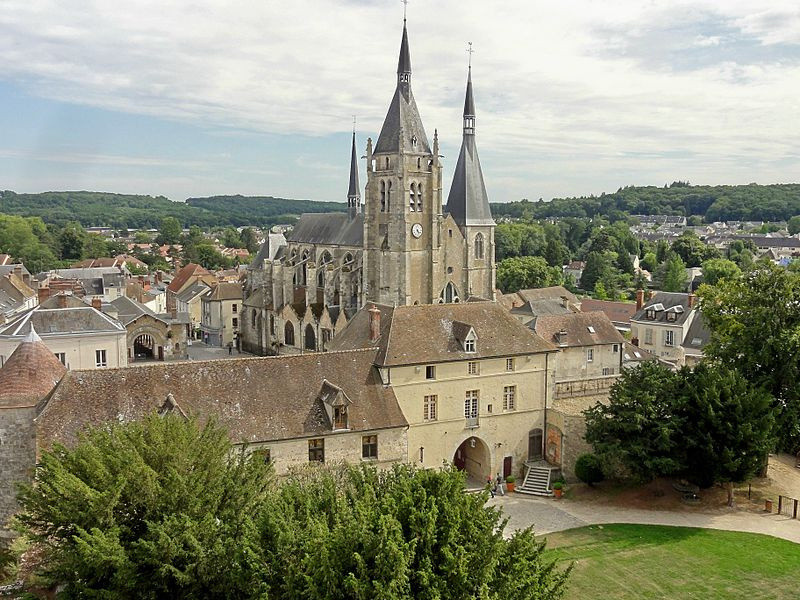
17 458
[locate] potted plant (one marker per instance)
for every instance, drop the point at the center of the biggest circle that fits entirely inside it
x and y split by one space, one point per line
558 489
510 483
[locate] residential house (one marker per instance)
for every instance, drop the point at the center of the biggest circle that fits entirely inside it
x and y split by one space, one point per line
188 302
151 336
221 310
185 278
662 324
619 313
79 334
15 296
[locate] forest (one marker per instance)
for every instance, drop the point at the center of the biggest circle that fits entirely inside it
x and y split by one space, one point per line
121 211
750 202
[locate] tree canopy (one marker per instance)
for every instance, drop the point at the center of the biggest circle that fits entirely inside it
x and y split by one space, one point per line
526 272
165 508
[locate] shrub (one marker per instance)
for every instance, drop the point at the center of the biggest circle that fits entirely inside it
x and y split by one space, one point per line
511 479
558 485
588 469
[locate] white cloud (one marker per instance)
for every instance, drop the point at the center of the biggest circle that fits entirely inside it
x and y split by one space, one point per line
558 86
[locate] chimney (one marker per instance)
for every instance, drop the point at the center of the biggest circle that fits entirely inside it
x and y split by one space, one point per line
18 271
651 295
691 301
565 301
635 342
97 303
44 294
562 337
374 324
639 299
62 300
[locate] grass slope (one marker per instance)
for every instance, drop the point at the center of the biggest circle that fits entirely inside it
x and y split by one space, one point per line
653 561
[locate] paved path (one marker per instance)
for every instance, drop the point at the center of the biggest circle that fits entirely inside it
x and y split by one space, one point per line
547 515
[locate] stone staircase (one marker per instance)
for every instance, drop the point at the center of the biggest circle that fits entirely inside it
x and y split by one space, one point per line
537 480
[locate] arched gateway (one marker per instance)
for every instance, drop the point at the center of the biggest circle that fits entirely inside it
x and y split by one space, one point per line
473 456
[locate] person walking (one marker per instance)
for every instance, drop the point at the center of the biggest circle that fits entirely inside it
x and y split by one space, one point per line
490 485
230 348
499 485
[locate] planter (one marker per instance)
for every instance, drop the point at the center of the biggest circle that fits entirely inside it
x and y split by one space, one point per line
510 486
557 492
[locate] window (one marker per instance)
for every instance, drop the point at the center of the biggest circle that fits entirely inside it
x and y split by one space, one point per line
235 322
449 233
509 364
469 345
430 372
62 356
316 450
421 454
510 397
288 334
340 417
471 407
429 408
419 197
369 447
591 329
263 454
412 198
616 348
253 318
648 336
272 324
383 196
326 338
669 338
473 368
479 246
589 354
234 308
100 358
608 371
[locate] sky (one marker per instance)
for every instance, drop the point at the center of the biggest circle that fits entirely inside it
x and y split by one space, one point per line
257 97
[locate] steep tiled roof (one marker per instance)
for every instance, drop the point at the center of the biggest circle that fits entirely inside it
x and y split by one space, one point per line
184 275
618 312
225 291
428 333
697 336
583 329
665 303
53 321
256 399
29 374
335 229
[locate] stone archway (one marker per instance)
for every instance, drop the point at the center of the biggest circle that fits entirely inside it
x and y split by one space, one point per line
473 456
145 342
144 347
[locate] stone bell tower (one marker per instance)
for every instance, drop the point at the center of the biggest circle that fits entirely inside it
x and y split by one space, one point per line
403 203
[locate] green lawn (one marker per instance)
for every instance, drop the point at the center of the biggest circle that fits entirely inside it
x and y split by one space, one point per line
653 561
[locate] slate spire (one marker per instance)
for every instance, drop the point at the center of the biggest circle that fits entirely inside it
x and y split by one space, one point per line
353 194
402 127
468 202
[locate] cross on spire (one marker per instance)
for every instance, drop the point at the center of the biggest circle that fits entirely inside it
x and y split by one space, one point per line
469 51
354 123
405 7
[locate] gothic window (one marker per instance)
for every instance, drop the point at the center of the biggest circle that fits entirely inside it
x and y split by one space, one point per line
288 334
449 293
304 269
310 338
479 246
321 277
388 196
347 263
272 324
383 196
255 315
411 196
419 198
387 162
419 163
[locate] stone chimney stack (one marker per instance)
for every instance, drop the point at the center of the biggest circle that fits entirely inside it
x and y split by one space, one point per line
44 294
639 299
97 303
62 300
691 301
562 338
374 324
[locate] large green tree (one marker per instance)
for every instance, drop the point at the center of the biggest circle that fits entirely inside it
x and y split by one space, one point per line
727 426
793 225
155 509
169 231
635 434
526 272
672 274
755 325
717 269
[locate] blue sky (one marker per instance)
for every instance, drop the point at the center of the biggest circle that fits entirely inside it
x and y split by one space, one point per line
222 97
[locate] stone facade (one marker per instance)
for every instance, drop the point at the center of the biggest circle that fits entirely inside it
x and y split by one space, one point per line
18 445
403 248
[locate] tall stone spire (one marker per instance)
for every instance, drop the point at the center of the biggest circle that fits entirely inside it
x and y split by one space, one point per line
402 122
468 201
353 193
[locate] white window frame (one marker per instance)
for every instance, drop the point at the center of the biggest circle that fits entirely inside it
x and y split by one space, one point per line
669 338
510 397
590 355
471 399
510 364
430 407
473 368
648 336
469 345
100 358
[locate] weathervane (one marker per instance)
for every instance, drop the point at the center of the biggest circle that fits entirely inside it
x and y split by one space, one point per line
469 50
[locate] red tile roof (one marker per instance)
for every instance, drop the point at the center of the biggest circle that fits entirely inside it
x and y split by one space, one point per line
29 374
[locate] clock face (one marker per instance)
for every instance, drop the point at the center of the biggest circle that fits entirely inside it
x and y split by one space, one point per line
416 230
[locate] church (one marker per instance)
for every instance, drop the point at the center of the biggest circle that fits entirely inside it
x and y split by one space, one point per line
399 247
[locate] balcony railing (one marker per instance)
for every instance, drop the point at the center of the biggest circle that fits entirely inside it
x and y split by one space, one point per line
471 422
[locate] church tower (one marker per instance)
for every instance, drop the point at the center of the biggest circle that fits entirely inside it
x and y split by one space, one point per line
403 202
468 204
353 193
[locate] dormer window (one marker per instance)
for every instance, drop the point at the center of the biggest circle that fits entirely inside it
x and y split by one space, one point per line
469 345
650 314
340 417
335 402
